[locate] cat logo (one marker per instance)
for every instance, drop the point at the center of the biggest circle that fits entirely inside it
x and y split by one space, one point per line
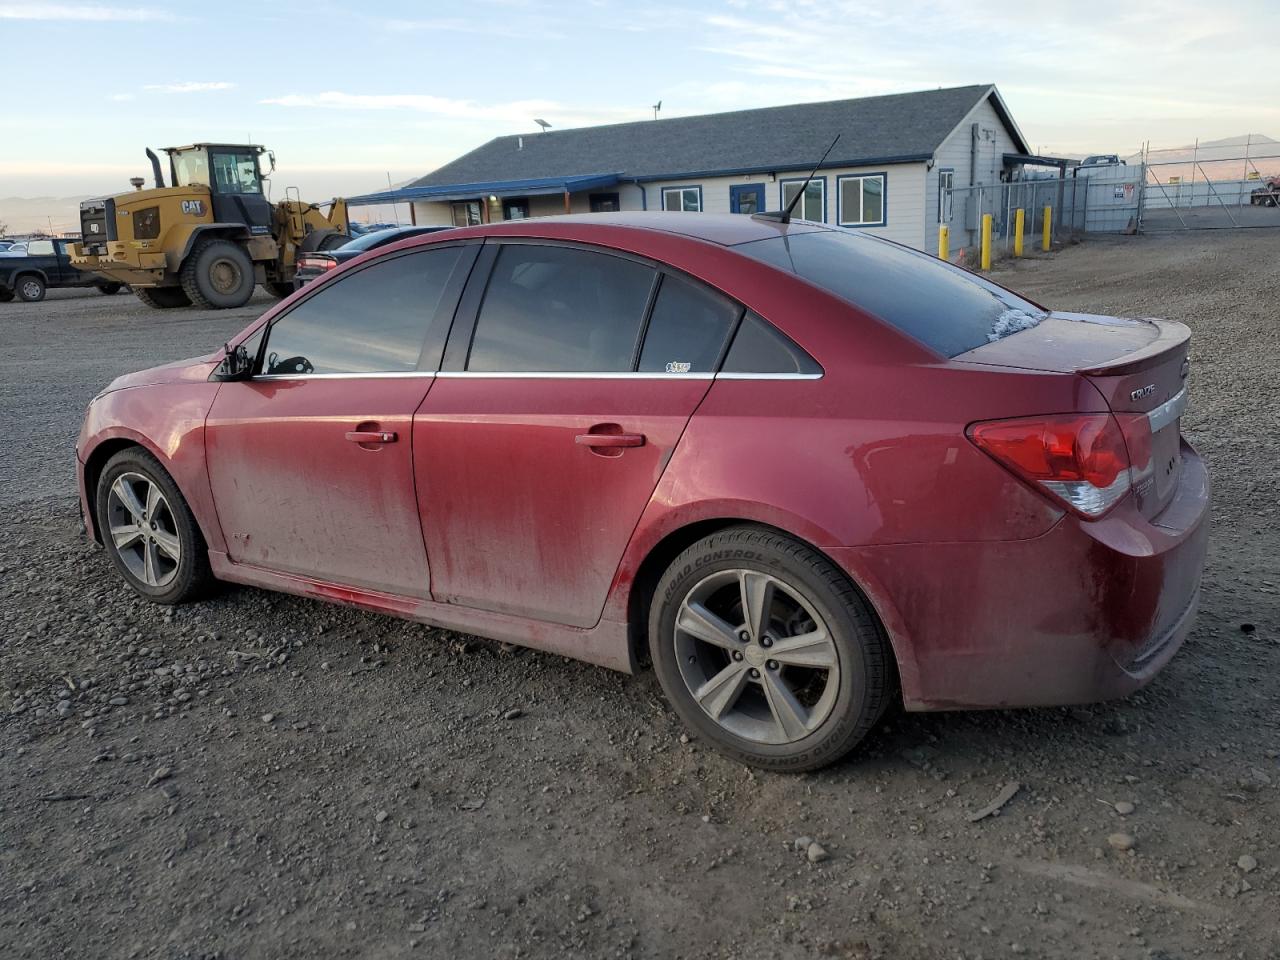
193 207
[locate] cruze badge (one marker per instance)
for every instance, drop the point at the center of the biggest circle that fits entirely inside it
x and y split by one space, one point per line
679 366
1143 392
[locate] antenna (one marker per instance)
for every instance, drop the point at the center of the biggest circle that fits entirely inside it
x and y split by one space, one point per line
785 216
656 107
542 123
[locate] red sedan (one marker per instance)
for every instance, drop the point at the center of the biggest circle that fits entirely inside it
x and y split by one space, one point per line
801 471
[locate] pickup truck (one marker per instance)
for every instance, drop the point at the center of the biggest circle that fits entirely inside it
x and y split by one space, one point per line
45 264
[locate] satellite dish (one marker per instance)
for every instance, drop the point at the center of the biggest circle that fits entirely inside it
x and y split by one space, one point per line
542 123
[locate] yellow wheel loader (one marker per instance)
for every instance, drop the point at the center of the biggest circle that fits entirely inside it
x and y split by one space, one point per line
207 238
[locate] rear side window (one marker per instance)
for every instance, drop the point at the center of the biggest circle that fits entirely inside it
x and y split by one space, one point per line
373 321
688 328
758 347
940 305
551 309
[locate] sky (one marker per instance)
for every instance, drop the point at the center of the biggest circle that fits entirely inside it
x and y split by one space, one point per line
349 94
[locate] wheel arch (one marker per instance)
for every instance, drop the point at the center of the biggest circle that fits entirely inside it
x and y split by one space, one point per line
660 556
212 231
29 272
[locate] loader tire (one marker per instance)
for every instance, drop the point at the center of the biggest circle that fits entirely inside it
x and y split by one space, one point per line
333 241
219 275
162 298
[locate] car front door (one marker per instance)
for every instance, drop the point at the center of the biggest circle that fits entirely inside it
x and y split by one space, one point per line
310 461
552 421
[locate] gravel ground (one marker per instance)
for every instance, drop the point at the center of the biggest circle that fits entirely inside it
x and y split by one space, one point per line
264 776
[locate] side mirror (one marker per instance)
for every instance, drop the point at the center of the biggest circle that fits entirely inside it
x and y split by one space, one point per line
236 364
271 156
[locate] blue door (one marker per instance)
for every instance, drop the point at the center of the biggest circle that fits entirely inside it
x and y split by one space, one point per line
746 198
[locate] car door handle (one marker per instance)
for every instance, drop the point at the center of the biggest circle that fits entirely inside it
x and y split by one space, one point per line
610 439
371 436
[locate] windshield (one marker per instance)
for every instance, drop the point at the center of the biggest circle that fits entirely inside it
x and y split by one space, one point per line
190 167
945 308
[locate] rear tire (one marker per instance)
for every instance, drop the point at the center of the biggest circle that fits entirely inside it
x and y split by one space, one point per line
5 295
109 289
30 288
218 274
162 298
814 673
148 530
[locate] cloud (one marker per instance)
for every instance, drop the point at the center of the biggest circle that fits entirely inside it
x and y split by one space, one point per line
190 86
80 11
517 112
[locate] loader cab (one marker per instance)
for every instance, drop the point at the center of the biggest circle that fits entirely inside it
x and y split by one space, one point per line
234 179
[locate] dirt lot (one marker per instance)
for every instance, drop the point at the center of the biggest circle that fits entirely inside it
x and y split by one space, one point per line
261 776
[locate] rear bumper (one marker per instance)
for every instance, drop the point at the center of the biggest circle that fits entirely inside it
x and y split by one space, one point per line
1088 611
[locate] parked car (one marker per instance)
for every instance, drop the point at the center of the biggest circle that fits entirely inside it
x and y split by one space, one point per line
5 245
803 472
42 264
311 266
1267 195
17 248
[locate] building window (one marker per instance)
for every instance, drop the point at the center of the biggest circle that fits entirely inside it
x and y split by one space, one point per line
604 203
515 208
688 199
814 204
946 180
861 200
466 213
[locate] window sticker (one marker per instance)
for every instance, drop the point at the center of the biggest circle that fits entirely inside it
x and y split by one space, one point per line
679 366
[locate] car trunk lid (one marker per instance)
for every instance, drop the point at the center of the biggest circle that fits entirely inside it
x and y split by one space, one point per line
1140 367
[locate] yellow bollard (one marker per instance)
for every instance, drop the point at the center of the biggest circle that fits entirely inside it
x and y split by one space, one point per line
986 241
944 242
1018 218
1048 221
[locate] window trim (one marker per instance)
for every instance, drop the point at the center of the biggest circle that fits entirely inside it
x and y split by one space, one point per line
946 197
883 176
434 337
782 194
688 186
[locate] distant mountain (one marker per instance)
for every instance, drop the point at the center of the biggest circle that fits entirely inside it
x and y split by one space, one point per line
52 214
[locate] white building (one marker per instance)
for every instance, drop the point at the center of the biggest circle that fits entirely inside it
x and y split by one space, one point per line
888 173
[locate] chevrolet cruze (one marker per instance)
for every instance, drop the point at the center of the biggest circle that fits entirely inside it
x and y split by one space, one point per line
801 472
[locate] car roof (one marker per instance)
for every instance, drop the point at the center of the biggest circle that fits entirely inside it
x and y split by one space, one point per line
725 229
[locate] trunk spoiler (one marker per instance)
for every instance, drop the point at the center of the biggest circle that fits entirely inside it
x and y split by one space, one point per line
1171 336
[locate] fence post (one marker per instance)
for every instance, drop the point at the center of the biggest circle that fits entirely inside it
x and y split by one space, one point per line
1018 216
1048 227
944 242
986 241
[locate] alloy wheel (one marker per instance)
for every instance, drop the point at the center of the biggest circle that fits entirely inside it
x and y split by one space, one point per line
143 532
756 656
30 289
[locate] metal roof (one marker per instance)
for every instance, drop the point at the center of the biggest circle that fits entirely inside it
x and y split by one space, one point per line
887 129
498 188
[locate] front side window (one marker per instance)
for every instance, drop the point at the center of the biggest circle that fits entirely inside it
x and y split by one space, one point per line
555 309
373 321
687 329
813 206
466 213
688 199
236 173
862 200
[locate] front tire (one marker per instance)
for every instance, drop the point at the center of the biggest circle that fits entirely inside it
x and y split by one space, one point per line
30 288
148 530
218 274
109 289
765 649
162 298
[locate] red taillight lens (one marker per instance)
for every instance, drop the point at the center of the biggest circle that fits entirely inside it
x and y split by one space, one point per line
316 263
1081 459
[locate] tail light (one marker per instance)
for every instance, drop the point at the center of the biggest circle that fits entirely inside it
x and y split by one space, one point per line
316 263
1088 461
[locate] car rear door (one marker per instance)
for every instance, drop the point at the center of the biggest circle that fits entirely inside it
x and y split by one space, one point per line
569 377
310 461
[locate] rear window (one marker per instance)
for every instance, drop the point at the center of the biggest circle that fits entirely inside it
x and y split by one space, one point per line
940 305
